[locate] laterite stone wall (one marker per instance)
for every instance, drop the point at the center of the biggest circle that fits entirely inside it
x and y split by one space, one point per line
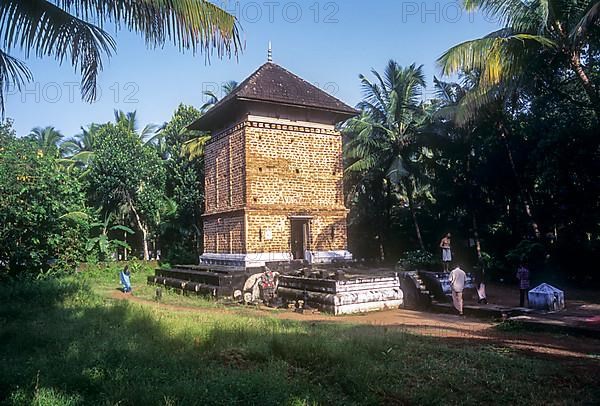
224 162
259 173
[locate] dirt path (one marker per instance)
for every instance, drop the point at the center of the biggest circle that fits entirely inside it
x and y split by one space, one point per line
422 323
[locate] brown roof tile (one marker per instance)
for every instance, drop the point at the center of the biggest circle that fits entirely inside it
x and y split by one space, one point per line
274 84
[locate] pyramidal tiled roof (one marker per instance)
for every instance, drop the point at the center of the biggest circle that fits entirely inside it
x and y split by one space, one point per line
274 84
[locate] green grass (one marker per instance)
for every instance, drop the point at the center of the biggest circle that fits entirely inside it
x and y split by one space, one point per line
105 281
66 342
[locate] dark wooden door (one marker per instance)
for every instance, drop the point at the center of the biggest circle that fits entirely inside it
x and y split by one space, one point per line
299 236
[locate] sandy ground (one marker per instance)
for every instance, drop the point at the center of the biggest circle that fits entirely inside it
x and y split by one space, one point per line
455 328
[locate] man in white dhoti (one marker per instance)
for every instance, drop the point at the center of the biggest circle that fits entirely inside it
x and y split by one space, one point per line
458 278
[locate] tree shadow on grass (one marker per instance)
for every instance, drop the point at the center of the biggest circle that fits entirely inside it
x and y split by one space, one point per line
69 346
65 345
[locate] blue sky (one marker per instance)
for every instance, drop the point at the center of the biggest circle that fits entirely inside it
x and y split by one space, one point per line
327 43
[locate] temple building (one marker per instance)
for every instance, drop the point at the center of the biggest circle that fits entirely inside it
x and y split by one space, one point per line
274 173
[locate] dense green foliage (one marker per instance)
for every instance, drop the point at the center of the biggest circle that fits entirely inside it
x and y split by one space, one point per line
182 235
383 145
128 176
506 158
39 206
62 343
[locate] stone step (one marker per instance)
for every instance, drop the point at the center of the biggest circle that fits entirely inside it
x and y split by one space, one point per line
223 282
198 288
335 286
211 268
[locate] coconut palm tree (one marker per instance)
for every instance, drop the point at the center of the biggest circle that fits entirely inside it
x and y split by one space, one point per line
84 141
129 119
556 30
194 147
384 137
212 98
80 148
47 138
465 105
72 30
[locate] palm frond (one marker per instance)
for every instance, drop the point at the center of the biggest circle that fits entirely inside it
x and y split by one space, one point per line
194 148
497 56
13 73
521 15
71 30
373 95
196 25
229 87
46 137
475 101
591 17
149 133
44 29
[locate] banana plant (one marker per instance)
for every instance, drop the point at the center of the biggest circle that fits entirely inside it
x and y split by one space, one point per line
104 245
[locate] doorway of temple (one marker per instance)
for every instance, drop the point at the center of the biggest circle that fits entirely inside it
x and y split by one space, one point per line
299 237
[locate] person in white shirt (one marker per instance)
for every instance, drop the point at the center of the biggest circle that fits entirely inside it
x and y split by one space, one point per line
458 278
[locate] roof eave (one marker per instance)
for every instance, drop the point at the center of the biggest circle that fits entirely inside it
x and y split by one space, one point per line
350 112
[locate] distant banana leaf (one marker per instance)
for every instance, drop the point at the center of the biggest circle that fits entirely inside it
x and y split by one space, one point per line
91 243
123 228
122 244
84 157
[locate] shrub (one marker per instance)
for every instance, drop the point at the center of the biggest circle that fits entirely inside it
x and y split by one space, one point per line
42 221
418 259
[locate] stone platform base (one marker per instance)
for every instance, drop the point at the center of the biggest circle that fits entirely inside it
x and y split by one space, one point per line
330 288
343 294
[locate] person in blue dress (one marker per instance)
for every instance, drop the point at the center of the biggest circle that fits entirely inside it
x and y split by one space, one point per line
126 279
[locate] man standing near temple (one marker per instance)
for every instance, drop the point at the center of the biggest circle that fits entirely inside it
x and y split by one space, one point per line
523 277
458 278
446 251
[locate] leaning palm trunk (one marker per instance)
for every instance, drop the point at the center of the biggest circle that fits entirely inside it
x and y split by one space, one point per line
471 184
476 236
413 213
588 86
523 194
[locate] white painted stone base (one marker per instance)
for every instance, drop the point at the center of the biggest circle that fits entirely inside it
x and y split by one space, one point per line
260 259
328 257
363 307
356 295
247 260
